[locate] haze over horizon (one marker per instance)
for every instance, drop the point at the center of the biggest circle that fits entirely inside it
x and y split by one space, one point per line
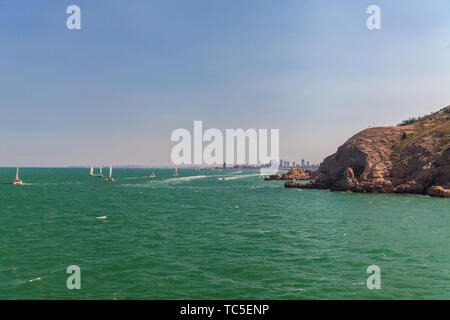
116 89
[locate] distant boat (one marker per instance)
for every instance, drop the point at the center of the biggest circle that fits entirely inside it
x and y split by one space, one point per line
17 180
91 172
100 173
110 178
152 175
176 172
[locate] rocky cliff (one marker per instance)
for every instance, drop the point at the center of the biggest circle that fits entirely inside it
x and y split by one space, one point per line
292 174
413 157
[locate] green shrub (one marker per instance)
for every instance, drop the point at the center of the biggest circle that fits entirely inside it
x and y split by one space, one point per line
409 121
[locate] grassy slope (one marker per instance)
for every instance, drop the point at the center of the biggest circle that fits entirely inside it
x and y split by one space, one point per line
436 125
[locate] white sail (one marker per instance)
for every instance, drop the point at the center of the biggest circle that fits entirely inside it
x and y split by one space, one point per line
110 171
17 180
92 170
100 169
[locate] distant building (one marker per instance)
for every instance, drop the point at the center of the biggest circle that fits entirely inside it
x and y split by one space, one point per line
303 162
281 163
293 164
224 165
287 164
307 163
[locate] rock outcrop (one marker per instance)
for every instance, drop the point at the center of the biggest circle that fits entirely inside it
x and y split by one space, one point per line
292 174
411 158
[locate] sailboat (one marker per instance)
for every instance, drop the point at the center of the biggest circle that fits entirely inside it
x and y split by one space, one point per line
91 172
152 175
110 178
100 174
17 180
176 172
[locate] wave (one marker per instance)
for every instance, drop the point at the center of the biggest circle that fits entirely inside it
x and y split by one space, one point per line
135 178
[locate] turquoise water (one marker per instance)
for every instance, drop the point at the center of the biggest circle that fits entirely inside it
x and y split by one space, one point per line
193 237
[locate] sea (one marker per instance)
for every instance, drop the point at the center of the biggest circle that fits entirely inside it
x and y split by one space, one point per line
199 236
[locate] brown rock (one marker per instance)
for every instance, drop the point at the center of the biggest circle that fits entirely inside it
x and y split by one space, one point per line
438 191
292 174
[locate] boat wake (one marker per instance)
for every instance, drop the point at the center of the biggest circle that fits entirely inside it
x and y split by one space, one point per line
225 178
239 177
49 184
154 183
177 180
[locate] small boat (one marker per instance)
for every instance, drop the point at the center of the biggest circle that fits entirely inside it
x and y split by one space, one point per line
176 172
17 180
91 172
152 175
110 178
100 175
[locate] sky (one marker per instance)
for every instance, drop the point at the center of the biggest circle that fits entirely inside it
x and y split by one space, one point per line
115 90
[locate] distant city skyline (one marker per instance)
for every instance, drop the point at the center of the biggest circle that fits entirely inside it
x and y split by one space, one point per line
301 164
114 91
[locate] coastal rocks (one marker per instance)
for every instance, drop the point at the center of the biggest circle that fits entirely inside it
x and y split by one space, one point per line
349 179
412 158
438 191
292 174
298 174
278 176
293 184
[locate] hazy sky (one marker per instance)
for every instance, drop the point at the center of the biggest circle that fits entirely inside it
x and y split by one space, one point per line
116 89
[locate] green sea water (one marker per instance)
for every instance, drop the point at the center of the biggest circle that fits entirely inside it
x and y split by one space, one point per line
198 237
